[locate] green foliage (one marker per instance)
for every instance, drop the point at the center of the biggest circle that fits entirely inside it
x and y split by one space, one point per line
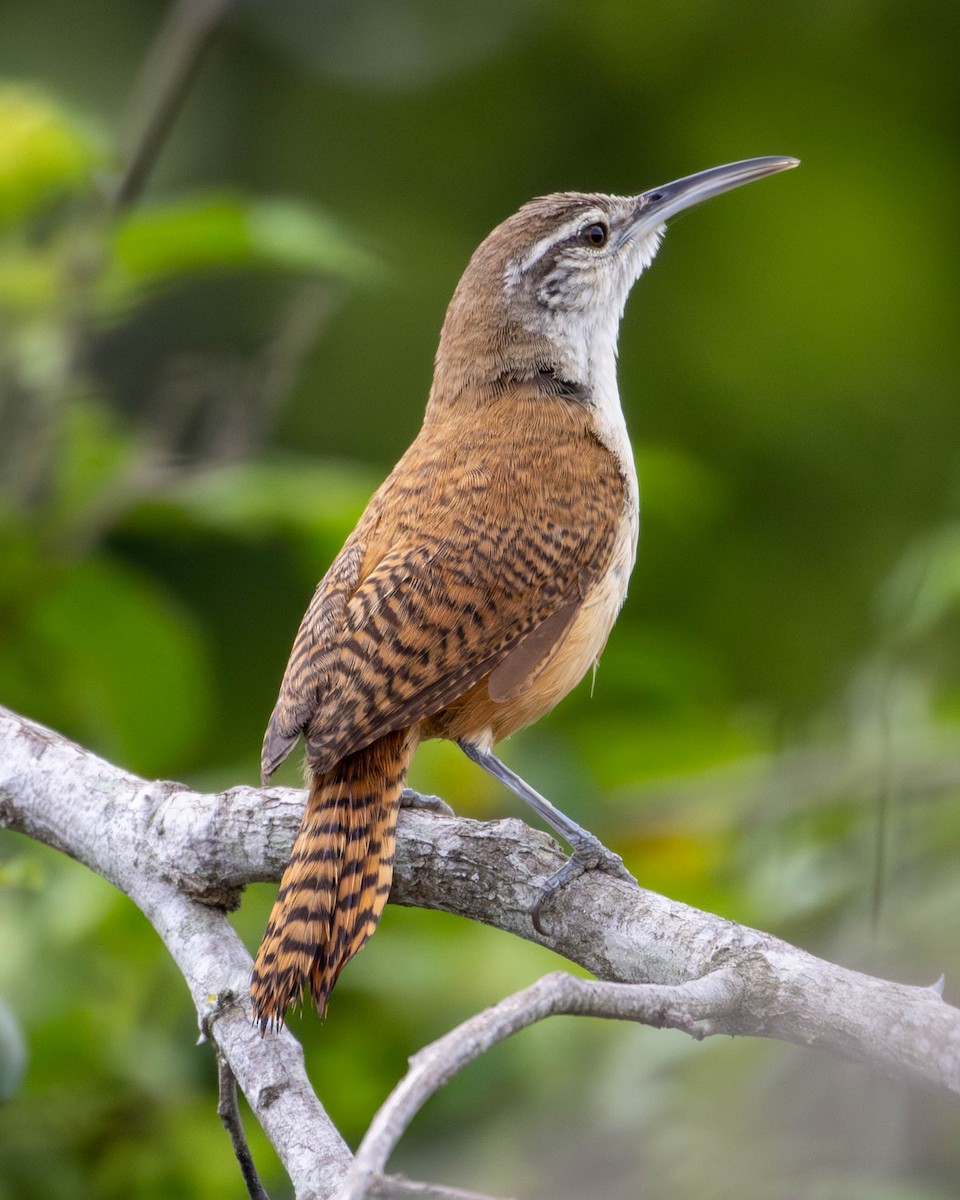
165 242
772 731
44 154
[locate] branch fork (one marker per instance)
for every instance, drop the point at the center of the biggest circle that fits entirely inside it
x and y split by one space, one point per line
179 854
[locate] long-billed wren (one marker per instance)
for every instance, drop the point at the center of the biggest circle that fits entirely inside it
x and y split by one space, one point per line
481 582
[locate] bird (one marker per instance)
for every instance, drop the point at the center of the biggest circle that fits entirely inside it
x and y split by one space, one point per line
483 578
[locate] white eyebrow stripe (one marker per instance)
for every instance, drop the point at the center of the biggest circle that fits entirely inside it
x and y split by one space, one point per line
539 249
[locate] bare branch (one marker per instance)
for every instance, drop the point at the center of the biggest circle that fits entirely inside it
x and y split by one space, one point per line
104 817
681 1007
491 872
395 1187
228 1110
168 74
179 855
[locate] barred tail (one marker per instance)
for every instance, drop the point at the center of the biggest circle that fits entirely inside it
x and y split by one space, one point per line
337 881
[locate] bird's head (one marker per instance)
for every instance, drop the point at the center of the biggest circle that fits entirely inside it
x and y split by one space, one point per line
546 289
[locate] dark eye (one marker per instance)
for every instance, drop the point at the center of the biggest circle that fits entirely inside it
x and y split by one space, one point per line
595 235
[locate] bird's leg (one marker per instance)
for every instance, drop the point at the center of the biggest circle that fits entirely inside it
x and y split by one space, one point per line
589 852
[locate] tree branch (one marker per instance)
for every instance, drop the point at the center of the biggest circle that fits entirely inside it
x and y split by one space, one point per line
188 32
491 872
395 1187
682 1007
228 1110
61 795
180 854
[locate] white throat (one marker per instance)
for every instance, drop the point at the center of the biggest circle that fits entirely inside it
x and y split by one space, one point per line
588 353
584 328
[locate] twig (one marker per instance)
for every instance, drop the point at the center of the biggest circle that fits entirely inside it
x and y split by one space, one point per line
165 81
682 1006
395 1187
228 1111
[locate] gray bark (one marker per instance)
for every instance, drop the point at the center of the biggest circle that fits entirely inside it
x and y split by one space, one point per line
183 857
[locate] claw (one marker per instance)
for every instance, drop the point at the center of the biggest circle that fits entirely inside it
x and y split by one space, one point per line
590 854
416 800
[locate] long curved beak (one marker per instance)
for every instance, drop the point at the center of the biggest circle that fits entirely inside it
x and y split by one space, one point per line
657 206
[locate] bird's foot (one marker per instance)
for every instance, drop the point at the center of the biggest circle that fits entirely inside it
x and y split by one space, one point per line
411 799
589 854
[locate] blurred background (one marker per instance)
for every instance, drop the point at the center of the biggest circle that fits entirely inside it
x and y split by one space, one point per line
203 379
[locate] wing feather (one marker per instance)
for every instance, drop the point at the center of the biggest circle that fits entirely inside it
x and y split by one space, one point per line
472 559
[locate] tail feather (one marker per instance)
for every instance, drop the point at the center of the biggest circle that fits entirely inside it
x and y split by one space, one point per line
337 881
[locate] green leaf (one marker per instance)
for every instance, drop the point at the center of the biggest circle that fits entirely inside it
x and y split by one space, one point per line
44 153
95 453
30 279
285 494
104 654
219 232
925 585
